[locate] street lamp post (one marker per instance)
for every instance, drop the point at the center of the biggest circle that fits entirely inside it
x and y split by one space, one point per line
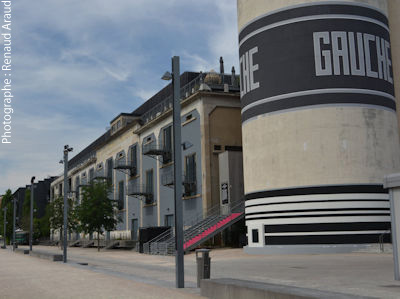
14 219
66 150
5 226
179 258
31 224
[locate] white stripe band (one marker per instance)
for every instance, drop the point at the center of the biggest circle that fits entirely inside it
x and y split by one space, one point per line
311 4
310 18
318 91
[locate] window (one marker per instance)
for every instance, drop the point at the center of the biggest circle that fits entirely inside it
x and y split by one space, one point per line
91 174
118 124
69 184
149 181
254 235
134 160
167 140
60 189
190 175
77 188
121 195
110 169
134 229
169 220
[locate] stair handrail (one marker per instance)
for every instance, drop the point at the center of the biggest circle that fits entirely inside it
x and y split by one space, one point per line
215 210
160 236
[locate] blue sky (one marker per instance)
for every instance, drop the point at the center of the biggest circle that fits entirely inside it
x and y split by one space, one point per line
77 64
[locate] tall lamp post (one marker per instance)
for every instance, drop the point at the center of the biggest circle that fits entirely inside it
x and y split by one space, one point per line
179 267
5 226
66 150
31 224
14 220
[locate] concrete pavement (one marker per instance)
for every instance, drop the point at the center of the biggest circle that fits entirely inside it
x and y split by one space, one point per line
367 274
23 276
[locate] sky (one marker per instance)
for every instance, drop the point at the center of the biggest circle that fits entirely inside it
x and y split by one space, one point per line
78 64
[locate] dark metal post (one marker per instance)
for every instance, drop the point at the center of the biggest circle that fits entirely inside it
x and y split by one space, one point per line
14 219
5 226
31 224
65 202
179 268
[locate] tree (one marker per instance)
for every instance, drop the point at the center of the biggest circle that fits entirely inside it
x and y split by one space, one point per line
42 225
56 212
7 201
25 222
96 211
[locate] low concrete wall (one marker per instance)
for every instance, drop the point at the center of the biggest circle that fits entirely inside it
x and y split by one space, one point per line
41 254
226 288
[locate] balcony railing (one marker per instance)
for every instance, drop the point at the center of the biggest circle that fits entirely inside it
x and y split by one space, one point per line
152 149
142 191
123 165
189 89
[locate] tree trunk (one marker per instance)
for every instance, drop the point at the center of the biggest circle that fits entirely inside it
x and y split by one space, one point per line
98 241
61 236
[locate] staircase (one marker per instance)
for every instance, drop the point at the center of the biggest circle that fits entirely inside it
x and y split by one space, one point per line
197 233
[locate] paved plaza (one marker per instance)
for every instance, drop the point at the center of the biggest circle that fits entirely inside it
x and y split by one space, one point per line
128 274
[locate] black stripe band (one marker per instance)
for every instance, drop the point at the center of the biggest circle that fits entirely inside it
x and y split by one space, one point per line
318 190
326 239
292 13
320 99
320 227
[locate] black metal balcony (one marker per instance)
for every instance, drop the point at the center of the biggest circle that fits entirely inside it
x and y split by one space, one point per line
142 191
156 150
129 166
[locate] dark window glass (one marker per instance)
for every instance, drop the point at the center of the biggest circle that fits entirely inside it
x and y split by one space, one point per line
121 195
91 174
149 181
77 182
167 139
254 234
190 175
134 159
109 169
169 220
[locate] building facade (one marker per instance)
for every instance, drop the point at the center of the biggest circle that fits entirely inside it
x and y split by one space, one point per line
136 154
319 121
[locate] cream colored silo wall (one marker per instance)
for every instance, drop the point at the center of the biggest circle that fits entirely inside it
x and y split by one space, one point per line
322 145
394 22
250 9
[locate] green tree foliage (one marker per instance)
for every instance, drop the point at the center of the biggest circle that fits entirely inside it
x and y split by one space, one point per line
26 212
56 215
7 201
96 211
41 226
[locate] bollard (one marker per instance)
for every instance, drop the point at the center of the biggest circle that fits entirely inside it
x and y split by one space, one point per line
203 265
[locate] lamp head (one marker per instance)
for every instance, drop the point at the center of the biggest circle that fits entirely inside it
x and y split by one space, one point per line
167 76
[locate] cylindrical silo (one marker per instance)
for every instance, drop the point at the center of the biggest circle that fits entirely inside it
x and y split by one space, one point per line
319 123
